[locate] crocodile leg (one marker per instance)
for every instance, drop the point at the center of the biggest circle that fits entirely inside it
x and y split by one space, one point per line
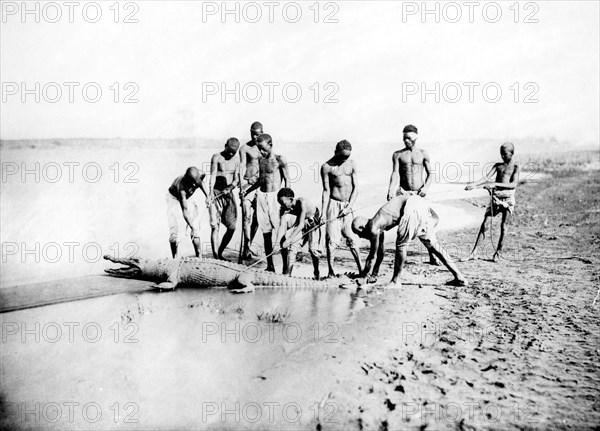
243 283
171 282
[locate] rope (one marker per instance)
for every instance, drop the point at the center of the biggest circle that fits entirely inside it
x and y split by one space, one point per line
277 248
492 220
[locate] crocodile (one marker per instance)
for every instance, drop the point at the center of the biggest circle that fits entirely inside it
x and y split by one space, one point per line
213 273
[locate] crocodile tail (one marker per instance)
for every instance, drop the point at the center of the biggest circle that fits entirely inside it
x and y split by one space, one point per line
263 278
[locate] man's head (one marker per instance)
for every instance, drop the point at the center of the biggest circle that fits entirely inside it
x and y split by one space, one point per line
410 136
358 226
285 197
264 143
343 150
256 129
192 176
506 151
231 147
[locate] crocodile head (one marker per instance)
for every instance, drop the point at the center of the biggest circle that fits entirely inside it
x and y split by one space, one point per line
134 266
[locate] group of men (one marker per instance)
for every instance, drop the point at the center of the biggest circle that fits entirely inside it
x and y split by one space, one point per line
267 202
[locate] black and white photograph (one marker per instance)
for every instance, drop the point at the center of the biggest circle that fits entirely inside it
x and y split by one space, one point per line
300 215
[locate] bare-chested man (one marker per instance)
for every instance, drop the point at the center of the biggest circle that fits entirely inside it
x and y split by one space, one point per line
339 194
415 219
299 225
179 204
502 192
409 164
224 168
272 171
249 155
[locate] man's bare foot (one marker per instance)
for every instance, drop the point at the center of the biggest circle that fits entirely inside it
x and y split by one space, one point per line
222 258
497 257
331 274
270 269
434 262
317 276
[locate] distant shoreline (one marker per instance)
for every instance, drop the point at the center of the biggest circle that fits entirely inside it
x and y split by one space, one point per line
536 147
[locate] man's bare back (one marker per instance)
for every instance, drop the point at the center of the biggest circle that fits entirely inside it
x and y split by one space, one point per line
309 208
388 216
417 221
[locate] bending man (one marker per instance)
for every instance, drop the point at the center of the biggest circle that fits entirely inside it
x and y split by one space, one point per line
415 219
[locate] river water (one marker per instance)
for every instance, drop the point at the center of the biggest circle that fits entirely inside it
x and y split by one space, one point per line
166 359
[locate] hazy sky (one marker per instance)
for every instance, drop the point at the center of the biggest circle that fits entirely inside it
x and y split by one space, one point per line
370 56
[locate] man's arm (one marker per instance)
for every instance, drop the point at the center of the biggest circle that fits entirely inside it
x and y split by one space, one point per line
354 194
283 169
281 230
235 180
429 177
394 178
296 233
214 161
326 190
484 181
202 185
183 201
240 176
252 187
243 166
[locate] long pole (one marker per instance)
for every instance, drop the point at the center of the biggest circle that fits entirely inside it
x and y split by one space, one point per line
277 249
